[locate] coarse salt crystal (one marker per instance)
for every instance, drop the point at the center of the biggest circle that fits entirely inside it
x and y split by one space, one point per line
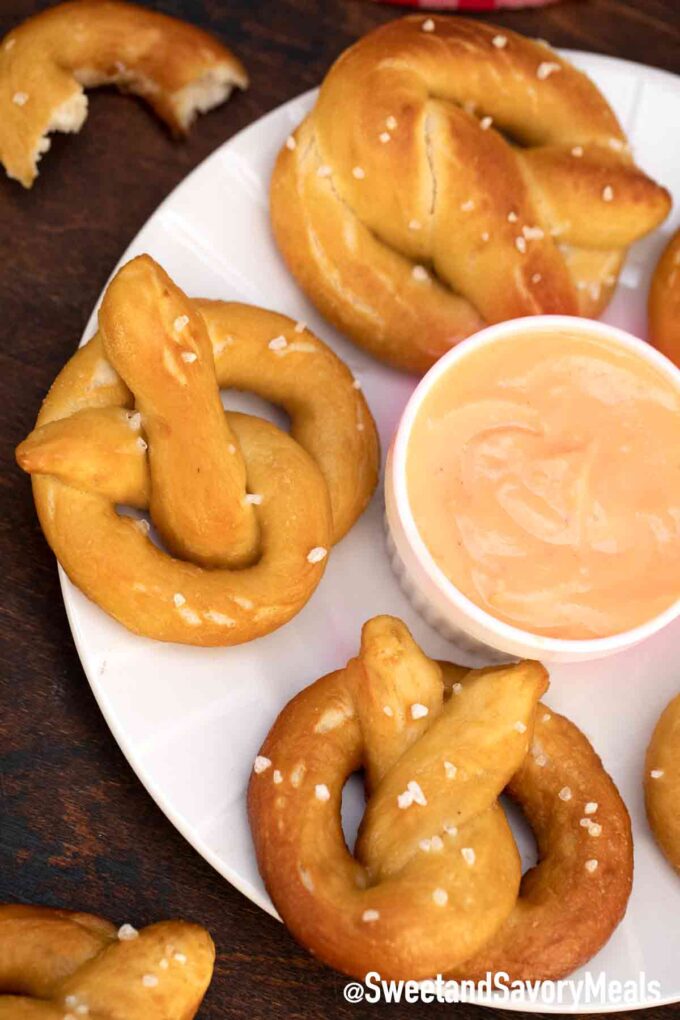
545 69
317 554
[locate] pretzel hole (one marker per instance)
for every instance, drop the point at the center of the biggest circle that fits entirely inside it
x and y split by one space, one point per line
249 403
522 831
352 809
140 515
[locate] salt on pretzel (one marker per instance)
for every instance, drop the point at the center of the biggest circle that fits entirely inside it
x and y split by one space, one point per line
435 870
450 175
572 900
662 782
48 61
63 965
248 511
664 301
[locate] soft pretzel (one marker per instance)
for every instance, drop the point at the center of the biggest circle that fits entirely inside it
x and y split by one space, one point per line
248 511
434 884
572 900
454 174
664 301
662 782
48 61
63 965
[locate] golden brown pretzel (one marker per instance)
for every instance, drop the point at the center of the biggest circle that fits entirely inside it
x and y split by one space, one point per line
433 886
249 511
662 782
664 301
63 965
573 899
455 177
48 61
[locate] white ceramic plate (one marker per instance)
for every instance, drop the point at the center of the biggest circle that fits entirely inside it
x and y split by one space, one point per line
191 720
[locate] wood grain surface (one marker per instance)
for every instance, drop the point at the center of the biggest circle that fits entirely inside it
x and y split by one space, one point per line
77 829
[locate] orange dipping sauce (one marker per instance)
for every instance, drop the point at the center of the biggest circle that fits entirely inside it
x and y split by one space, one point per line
543 473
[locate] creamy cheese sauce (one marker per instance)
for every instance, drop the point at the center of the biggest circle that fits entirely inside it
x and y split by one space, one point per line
543 473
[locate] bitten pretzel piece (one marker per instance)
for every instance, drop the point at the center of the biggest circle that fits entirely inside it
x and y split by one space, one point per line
436 870
453 174
248 512
662 782
664 301
62 965
48 61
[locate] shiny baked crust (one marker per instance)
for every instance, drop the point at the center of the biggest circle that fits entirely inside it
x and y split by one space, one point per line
58 964
664 301
572 900
437 873
662 782
48 61
451 178
248 512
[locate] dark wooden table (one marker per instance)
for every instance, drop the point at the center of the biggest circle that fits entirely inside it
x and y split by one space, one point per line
77 828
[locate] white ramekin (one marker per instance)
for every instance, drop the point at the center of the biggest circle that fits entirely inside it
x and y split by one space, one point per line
431 592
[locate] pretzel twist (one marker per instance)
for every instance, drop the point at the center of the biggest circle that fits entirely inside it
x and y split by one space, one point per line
664 301
450 178
434 883
63 965
48 61
247 561
662 782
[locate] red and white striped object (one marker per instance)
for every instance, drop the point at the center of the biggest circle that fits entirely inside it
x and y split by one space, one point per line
469 5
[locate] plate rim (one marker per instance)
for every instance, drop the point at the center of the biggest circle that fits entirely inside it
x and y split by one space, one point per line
69 591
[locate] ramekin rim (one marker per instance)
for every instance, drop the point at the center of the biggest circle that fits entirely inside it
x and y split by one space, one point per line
505 631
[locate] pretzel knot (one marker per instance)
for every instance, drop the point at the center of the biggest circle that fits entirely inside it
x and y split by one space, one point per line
454 177
48 61
434 883
248 512
63 965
